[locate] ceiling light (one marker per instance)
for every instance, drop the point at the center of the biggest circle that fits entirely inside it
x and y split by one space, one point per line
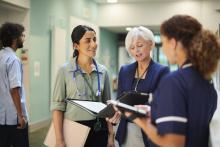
128 28
112 1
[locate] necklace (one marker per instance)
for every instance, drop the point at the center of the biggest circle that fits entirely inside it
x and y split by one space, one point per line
139 78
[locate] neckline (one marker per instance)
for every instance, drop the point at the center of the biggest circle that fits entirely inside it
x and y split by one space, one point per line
144 73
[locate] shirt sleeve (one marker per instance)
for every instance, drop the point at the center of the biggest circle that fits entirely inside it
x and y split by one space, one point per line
106 90
169 107
59 92
14 74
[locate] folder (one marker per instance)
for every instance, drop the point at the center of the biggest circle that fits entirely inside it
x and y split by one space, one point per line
101 110
75 134
97 109
135 98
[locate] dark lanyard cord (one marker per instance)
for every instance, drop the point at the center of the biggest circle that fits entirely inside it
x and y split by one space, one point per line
139 78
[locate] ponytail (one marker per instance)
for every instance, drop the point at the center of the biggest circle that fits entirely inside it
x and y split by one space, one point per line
204 53
75 53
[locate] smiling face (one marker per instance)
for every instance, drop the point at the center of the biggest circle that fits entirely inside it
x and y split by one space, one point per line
87 45
140 48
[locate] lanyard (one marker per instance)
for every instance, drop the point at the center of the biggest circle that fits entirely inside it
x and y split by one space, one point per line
87 82
139 78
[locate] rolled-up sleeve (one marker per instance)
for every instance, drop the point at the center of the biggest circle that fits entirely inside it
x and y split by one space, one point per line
59 92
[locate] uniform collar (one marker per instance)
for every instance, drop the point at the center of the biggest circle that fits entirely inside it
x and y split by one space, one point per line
186 64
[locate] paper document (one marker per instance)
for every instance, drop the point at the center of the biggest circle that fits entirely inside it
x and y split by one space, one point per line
95 107
75 134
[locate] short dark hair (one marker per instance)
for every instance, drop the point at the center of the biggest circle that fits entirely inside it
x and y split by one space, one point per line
10 31
77 33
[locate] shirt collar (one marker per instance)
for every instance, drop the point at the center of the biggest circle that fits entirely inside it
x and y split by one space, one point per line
9 49
73 67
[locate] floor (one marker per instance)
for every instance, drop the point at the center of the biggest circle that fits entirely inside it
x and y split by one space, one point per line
37 138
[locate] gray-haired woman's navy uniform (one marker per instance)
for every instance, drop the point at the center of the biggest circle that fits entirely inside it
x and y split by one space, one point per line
127 82
184 104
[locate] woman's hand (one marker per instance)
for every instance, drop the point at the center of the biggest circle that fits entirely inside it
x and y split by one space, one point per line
115 119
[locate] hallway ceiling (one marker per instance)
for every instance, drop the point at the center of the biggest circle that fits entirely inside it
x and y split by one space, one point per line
122 30
137 1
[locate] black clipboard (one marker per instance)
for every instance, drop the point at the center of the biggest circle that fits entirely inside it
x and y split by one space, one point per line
135 98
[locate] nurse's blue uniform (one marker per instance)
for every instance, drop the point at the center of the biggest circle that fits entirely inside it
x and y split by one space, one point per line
184 104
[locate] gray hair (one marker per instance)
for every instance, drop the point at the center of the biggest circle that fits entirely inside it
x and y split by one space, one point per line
139 31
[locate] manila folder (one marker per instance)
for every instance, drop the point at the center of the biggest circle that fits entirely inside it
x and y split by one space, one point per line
75 134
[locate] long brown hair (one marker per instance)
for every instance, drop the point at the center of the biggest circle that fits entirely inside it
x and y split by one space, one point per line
202 46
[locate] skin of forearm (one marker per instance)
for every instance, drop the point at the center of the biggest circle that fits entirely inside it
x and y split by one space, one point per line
58 124
110 128
16 99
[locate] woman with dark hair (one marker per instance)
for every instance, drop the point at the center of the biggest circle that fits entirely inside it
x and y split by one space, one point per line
82 78
186 99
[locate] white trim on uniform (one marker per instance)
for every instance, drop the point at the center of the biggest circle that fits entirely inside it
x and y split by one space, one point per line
171 118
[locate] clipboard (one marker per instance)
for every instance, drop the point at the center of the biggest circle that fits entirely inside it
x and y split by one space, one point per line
125 107
129 99
135 98
75 134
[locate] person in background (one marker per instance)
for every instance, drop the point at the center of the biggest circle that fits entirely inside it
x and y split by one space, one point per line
82 78
13 112
188 93
142 76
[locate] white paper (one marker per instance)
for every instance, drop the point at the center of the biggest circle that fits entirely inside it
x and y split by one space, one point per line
90 105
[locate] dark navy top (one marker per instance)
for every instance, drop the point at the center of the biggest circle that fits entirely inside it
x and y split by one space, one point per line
148 85
184 103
